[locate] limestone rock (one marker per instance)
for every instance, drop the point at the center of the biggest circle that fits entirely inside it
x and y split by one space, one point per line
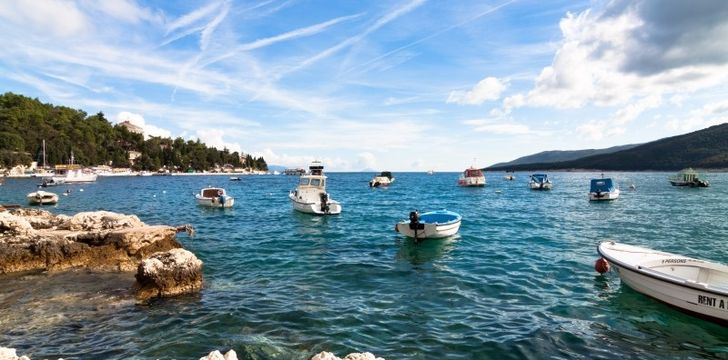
101 220
217 355
9 354
168 273
353 356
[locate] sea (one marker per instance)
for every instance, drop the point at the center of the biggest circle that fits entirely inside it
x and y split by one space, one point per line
517 282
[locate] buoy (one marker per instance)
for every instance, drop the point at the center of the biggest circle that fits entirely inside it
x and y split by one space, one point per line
164 191
80 189
601 265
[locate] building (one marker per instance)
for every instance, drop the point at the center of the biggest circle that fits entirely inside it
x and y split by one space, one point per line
132 128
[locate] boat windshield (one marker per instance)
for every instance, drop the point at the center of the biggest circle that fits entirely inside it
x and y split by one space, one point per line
304 181
473 173
539 177
316 182
602 185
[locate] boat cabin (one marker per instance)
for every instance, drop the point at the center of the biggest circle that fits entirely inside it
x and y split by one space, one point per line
312 181
540 178
386 174
212 192
472 172
602 185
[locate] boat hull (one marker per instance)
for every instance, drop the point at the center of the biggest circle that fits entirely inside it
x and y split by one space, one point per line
431 231
538 186
42 198
215 202
380 181
315 207
695 294
472 181
604 196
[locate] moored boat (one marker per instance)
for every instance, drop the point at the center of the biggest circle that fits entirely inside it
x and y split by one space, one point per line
73 173
430 225
47 182
509 176
310 195
472 177
540 182
688 177
603 189
235 178
383 179
214 197
695 286
42 198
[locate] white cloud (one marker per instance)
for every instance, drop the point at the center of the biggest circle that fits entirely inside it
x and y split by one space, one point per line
48 18
493 126
366 160
488 89
633 110
193 16
126 10
216 138
138 120
597 130
283 159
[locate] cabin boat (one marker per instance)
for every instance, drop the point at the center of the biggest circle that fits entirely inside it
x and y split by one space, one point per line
694 286
42 198
688 177
383 179
214 197
472 177
509 176
73 174
430 225
310 195
603 189
46 182
235 178
540 182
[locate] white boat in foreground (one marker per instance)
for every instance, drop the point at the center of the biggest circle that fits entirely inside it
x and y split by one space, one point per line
540 182
603 189
214 197
695 286
310 195
430 225
42 198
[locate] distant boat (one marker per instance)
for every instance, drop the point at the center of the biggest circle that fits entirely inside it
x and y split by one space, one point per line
383 179
472 177
633 187
144 173
42 198
430 225
695 286
603 189
235 178
310 195
540 182
688 177
214 197
509 176
430 172
73 173
51 182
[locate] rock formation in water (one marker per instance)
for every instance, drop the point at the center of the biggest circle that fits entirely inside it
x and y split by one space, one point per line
168 273
9 354
216 355
32 239
353 356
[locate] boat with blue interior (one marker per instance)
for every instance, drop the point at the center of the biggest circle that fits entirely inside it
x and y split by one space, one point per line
310 195
603 189
540 182
430 225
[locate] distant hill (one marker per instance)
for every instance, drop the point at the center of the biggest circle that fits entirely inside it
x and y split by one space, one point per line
561 155
705 149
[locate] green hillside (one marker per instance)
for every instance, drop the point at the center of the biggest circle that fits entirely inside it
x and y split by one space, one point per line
562 155
705 149
26 122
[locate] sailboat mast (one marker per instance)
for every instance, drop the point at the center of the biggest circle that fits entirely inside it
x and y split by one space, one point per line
44 155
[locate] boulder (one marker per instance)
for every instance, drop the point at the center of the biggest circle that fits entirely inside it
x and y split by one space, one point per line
324 355
168 273
9 354
216 355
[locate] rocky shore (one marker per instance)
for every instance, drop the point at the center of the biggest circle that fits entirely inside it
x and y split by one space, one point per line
36 240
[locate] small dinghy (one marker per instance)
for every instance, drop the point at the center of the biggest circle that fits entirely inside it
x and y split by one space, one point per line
214 197
430 225
695 286
42 198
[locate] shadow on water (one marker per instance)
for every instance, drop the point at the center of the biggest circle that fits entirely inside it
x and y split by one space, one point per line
420 252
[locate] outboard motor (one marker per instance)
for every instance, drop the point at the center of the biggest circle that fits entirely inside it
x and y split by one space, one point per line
415 223
325 202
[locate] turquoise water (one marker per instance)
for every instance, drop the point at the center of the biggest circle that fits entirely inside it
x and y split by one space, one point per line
517 282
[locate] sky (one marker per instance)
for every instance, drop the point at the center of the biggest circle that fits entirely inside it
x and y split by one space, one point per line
401 85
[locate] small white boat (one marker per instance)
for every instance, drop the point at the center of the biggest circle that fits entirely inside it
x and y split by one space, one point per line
509 176
42 198
540 182
73 174
603 189
235 178
51 182
430 172
472 177
430 225
214 197
310 195
696 286
688 177
383 179
144 173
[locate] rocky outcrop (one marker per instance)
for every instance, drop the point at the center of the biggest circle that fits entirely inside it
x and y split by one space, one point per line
9 354
168 273
353 356
216 355
32 239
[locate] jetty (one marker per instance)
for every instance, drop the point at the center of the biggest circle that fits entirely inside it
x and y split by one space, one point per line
37 240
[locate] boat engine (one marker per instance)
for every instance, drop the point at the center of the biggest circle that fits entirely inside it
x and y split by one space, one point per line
415 224
325 202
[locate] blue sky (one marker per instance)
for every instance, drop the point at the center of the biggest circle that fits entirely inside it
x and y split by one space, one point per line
406 85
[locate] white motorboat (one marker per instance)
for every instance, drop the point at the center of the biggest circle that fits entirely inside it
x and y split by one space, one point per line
214 197
540 182
430 225
509 176
73 174
696 286
603 189
42 198
383 179
430 172
472 177
310 195
235 178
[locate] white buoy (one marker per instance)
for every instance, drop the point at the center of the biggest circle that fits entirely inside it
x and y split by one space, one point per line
80 189
164 191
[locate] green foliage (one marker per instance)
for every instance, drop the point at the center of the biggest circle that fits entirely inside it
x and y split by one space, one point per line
26 122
